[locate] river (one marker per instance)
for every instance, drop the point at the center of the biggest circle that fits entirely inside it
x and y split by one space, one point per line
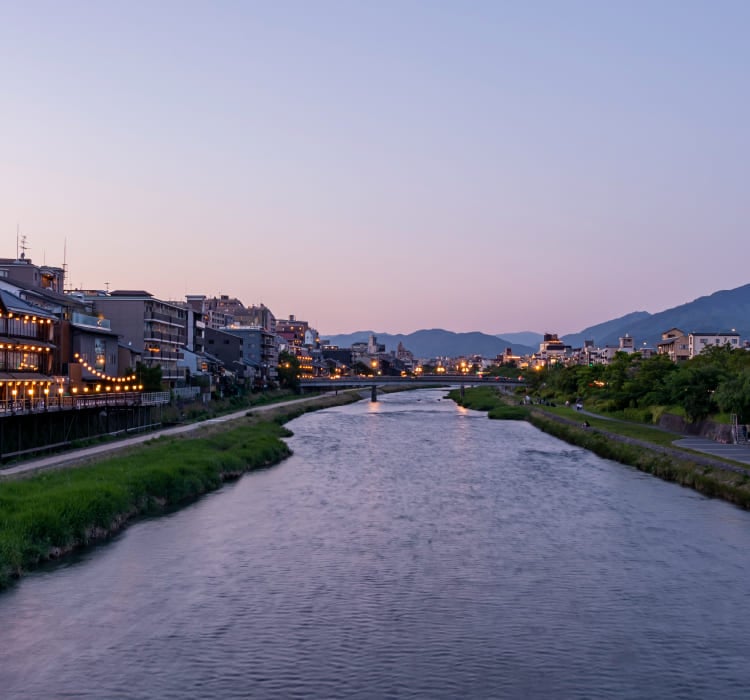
408 549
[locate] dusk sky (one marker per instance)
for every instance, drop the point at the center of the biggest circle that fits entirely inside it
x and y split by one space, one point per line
493 166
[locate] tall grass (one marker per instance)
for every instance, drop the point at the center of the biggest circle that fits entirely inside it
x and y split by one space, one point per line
54 512
487 398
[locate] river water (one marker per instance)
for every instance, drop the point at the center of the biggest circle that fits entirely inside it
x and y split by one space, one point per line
408 549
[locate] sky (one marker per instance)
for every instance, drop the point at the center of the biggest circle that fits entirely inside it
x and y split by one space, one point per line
392 165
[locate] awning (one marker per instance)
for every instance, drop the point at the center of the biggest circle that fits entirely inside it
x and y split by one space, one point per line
25 377
25 341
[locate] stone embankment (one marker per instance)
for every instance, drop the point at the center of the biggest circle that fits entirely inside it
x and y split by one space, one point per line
673 453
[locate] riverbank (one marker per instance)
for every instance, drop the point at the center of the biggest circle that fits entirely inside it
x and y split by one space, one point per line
710 476
50 514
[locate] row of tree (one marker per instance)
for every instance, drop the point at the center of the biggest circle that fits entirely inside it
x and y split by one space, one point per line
717 380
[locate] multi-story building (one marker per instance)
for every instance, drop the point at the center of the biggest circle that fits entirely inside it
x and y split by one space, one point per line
227 348
699 341
83 347
674 344
157 329
26 352
259 349
293 332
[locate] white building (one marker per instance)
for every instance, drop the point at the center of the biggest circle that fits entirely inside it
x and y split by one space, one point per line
698 342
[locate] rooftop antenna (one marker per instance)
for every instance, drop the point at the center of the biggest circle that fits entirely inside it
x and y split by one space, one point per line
17 231
24 248
65 263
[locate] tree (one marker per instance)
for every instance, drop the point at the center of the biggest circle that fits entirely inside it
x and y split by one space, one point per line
288 371
149 377
733 395
648 386
692 387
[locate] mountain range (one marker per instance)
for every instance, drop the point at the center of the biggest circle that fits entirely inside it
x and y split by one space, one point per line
436 343
721 311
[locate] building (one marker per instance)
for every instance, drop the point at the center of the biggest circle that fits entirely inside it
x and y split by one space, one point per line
154 328
293 333
699 341
227 349
26 353
259 350
674 344
84 350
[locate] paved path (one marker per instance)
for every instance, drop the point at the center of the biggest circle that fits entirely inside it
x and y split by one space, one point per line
80 455
738 453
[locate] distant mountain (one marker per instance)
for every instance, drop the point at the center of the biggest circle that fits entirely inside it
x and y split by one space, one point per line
523 338
436 342
614 328
720 311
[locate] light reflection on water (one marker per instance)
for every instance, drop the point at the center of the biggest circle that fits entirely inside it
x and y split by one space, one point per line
409 548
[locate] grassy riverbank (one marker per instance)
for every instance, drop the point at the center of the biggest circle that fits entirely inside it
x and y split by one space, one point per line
52 513
648 449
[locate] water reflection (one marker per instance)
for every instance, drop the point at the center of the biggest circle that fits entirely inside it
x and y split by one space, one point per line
408 549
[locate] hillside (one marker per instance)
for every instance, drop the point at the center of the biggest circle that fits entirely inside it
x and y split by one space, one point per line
436 342
720 311
528 338
614 328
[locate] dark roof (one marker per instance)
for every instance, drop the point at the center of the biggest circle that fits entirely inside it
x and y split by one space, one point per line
714 333
130 293
17 305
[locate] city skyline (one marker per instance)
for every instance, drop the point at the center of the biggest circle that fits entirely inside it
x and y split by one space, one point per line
494 168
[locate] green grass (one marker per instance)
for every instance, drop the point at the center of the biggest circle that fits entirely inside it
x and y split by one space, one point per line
638 431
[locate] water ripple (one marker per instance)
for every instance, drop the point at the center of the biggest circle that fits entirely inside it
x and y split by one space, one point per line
406 550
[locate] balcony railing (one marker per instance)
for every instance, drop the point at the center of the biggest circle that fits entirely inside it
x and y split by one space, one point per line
69 403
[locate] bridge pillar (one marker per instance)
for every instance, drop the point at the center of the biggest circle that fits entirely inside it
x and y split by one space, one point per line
374 395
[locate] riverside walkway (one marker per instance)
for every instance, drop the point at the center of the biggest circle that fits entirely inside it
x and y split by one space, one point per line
736 453
85 453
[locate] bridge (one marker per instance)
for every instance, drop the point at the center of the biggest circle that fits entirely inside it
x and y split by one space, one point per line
373 382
